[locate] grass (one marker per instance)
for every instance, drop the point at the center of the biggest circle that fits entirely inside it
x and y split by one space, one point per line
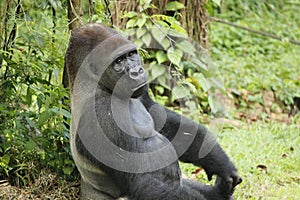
268 158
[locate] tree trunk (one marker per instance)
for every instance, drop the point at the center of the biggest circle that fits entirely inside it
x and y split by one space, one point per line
74 14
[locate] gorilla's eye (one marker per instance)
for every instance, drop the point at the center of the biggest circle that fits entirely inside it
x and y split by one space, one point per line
119 60
131 53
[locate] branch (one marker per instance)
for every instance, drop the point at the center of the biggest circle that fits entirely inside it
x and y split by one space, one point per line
74 12
253 31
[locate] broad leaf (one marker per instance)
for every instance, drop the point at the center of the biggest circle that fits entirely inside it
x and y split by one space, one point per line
199 63
175 56
138 43
205 85
147 39
158 34
179 92
141 21
44 116
140 32
186 47
131 23
158 70
165 43
129 15
161 56
174 5
218 2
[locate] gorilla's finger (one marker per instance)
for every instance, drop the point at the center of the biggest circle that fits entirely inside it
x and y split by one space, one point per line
209 176
237 181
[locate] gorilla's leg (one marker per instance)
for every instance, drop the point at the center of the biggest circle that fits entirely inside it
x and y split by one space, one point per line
88 192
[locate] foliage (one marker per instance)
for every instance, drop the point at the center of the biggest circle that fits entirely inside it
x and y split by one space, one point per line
254 63
178 66
33 102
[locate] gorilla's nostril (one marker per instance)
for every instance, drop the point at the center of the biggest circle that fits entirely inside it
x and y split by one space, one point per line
134 74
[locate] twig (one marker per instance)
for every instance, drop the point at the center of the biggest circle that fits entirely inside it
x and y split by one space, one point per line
108 12
253 31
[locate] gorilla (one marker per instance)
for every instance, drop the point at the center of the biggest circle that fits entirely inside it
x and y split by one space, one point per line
125 145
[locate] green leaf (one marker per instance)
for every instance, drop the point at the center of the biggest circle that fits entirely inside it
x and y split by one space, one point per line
138 43
179 92
158 34
160 89
30 145
4 160
186 47
161 56
177 31
175 56
174 6
44 116
131 23
163 82
141 21
129 32
199 63
140 32
218 2
68 170
29 96
144 4
213 104
202 81
165 43
157 71
129 15
30 122
66 113
147 39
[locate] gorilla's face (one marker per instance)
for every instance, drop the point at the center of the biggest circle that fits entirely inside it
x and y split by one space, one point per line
126 76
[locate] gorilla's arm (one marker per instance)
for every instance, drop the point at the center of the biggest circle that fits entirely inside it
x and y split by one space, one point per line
149 186
214 161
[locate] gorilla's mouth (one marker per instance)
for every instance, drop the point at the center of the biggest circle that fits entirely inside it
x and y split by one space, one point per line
139 86
139 90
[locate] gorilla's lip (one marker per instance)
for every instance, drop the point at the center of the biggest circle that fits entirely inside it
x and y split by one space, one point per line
139 86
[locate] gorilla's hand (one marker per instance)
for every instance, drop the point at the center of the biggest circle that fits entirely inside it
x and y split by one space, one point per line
227 179
217 163
227 184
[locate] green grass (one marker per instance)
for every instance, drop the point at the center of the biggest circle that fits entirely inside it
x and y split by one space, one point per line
268 158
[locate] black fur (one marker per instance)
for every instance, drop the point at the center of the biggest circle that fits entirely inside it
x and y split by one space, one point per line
161 184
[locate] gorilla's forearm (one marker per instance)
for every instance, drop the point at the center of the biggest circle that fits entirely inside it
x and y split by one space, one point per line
148 187
203 151
192 141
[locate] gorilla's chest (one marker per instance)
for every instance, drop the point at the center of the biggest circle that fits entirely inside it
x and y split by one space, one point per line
141 119
132 118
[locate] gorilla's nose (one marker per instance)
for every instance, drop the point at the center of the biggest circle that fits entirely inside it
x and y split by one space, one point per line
136 72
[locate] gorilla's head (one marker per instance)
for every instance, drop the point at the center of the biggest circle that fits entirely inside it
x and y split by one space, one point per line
111 58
